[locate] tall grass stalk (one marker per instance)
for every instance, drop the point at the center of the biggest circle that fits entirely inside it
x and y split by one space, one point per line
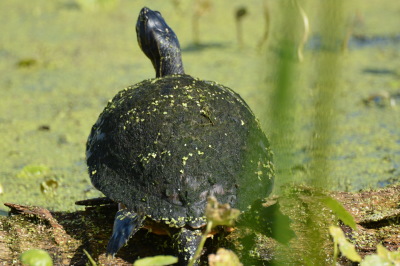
282 113
327 66
327 73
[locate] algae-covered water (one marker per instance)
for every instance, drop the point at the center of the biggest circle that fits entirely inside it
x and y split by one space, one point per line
61 61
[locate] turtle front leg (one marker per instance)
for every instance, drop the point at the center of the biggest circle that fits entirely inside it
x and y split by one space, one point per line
126 224
186 243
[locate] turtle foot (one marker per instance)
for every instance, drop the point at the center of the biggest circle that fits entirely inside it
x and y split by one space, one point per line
126 223
187 241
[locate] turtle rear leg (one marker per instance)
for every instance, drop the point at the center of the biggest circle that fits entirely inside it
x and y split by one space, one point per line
186 243
126 224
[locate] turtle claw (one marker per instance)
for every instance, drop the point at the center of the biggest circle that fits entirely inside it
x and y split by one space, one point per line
126 223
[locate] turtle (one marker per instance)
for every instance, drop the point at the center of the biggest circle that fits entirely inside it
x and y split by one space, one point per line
161 147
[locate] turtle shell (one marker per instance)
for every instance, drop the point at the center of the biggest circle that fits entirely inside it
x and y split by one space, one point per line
162 146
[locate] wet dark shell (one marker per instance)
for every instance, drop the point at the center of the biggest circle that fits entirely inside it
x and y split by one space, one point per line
164 145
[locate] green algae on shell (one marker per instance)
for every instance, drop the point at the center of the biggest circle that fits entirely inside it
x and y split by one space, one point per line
164 145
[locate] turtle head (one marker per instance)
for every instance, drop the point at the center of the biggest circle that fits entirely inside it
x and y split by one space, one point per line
159 42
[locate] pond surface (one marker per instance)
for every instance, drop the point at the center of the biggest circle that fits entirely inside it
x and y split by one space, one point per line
61 61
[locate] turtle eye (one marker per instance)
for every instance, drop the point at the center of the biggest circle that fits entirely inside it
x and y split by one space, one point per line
158 14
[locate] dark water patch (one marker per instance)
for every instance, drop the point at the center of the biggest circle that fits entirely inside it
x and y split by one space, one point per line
44 128
388 182
354 42
316 43
193 47
382 99
27 62
379 71
71 5
351 155
355 114
376 41
395 95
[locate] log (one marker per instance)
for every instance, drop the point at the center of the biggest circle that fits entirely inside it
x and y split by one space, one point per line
65 235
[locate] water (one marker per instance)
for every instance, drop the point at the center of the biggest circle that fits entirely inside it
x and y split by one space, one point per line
60 65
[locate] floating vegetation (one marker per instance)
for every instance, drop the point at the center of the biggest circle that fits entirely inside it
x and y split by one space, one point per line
44 128
27 63
49 186
34 171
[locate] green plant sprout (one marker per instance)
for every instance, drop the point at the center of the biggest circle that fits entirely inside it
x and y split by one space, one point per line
216 214
224 257
342 244
383 257
91 260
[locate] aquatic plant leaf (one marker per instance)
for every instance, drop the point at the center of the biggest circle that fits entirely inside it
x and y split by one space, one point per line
382 251
375 260
340 211
36 257
393 256
383 257
224 257
156 261
346 248
220 214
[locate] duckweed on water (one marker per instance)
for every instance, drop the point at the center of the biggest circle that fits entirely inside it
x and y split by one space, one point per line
81 59
49 186
34 171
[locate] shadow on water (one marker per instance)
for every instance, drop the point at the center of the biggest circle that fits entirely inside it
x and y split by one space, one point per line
361 41
197 47
70 5
380 71
357 42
